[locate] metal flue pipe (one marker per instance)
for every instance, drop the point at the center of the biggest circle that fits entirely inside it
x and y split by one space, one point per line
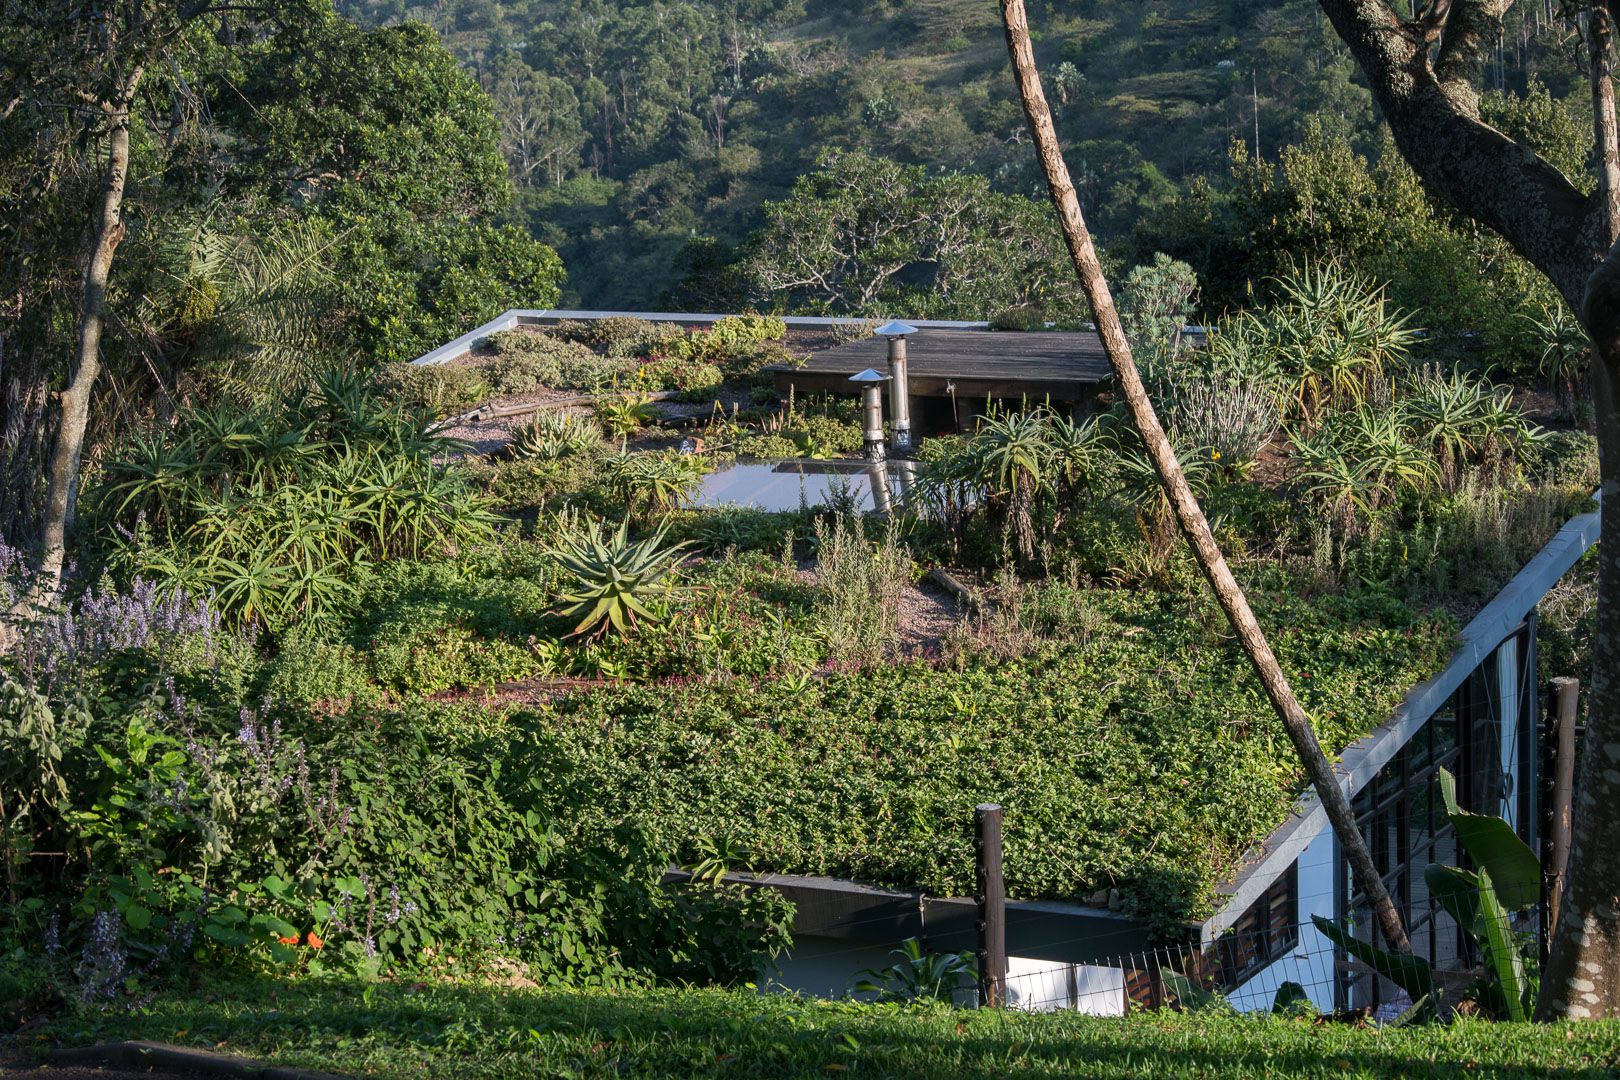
900 383
871 384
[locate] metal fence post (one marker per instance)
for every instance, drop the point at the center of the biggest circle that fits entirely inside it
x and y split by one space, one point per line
992 907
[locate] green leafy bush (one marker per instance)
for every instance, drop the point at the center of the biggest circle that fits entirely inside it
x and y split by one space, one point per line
281 841
734 527
309 671
620 336
535 483
271 510
694 380
458 624
756 444
1565 459
525 361
438 389
825 436
1023 318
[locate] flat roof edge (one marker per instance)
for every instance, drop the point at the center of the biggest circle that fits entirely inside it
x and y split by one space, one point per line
1039 929
515 317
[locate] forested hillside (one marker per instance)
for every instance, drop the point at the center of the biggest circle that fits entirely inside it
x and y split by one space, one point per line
645 136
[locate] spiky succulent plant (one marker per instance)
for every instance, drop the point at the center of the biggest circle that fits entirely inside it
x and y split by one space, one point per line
614 578
555 435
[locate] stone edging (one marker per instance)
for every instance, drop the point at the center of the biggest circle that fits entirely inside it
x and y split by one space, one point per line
141 1054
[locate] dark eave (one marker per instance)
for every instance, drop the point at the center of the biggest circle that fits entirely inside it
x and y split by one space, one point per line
967 363
1040 930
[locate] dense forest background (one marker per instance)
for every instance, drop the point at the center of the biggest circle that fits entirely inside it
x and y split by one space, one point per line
647 138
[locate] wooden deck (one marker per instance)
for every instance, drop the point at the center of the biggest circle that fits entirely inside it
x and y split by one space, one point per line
966 364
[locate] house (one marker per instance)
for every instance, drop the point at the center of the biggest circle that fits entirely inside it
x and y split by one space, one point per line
1479 718
955 373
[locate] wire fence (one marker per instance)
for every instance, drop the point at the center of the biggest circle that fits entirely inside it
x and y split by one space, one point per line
1248 971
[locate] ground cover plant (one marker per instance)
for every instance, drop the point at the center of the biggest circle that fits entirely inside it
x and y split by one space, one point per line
396 1029
1124 756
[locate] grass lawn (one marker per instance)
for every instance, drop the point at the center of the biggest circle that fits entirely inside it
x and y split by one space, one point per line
403 1030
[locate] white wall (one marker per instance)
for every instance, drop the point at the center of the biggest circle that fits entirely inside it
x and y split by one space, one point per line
1310 962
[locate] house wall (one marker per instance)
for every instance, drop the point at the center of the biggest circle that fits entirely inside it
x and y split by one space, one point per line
1310 962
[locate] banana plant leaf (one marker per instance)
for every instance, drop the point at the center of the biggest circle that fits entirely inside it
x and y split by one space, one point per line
1192 998
1410 973
1501 951
1291 999
1492 843
1457 891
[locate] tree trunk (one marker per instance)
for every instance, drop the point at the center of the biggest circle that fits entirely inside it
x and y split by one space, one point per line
63 469
1599 31
1583 973
1583 970
1189 515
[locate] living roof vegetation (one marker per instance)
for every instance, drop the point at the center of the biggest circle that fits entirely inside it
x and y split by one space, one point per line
1129 749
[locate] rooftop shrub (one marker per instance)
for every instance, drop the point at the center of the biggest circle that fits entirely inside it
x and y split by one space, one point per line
620 336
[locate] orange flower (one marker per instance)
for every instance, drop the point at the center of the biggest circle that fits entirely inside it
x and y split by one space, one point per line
314 941
288 940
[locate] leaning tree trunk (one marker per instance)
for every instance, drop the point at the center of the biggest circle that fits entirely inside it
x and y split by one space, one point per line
1189 515
62 472
1583 969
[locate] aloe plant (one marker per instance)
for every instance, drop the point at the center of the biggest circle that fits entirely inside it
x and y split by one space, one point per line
614 578
272 508
625 414
653 482
1014 451
554 435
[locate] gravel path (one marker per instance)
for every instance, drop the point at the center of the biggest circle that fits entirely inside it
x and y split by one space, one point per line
926 615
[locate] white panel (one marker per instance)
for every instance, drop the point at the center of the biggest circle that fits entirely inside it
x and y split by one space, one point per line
1507 711
1310 962
1048 986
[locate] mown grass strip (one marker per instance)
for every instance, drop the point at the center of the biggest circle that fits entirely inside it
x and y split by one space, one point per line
439 1030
